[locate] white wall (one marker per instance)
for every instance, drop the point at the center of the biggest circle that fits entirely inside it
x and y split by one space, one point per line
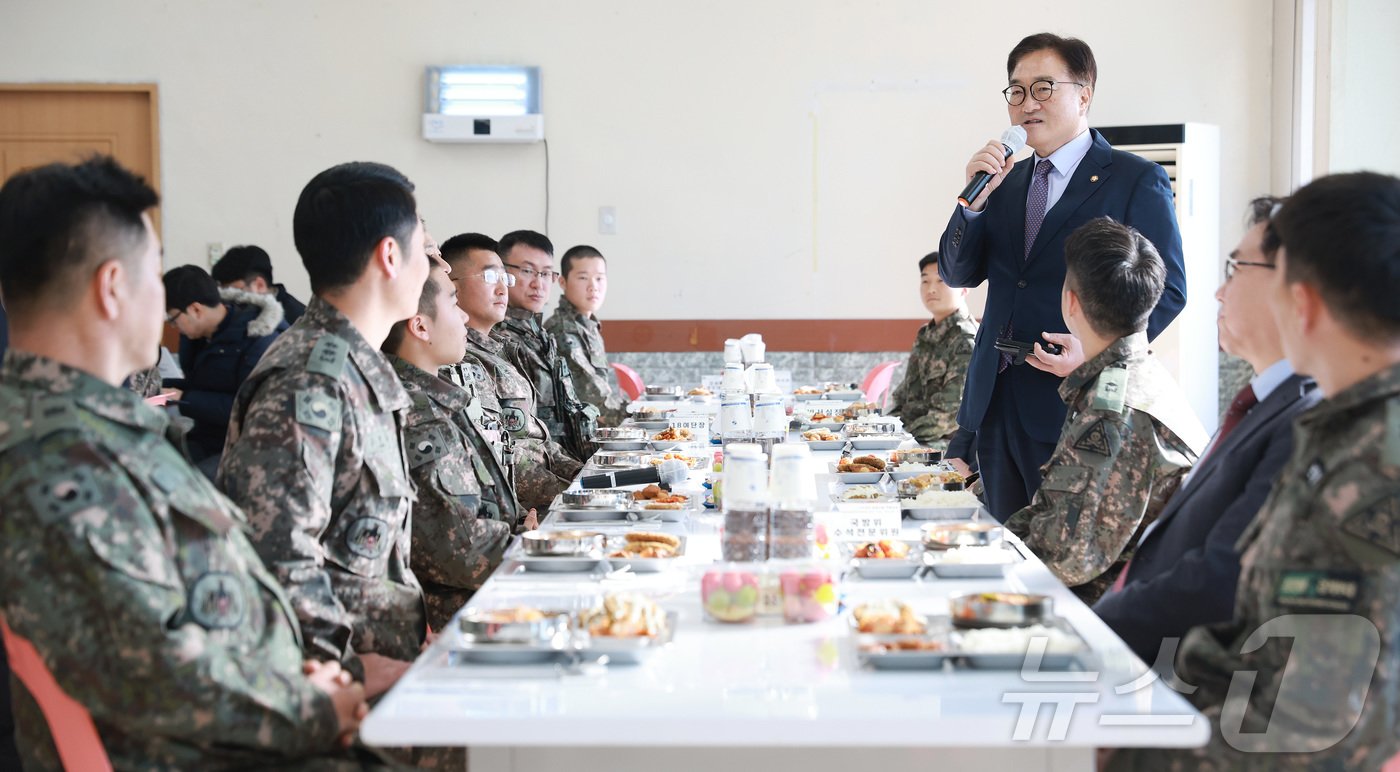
802 153
1365 81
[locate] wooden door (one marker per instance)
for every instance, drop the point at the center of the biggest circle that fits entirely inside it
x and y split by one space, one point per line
42 123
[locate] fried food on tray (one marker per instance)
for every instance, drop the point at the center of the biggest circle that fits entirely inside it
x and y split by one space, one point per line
673 434
625 615
888 617
644 544
861 464
820 435
883 549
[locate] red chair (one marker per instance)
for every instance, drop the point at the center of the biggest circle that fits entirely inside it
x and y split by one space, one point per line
74 735
877 382
629 380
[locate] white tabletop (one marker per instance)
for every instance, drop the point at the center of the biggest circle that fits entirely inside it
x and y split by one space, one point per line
769 685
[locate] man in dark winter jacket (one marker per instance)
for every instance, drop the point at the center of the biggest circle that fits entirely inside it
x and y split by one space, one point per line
250 268
223 334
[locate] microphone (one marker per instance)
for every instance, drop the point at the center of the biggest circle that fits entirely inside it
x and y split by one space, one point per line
1012 140
669 472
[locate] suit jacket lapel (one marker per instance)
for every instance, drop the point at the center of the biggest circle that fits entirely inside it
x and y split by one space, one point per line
1262 415
1095 166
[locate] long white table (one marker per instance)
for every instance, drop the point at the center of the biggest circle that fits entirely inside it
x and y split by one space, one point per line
768 696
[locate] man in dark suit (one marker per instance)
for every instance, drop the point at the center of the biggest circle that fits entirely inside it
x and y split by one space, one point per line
1012 236
1186 566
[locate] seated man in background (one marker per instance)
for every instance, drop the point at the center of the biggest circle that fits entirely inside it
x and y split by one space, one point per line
1185 569
1313 637
927 399
529 256
1129 435
223 334
541 468
458 534
250 268
123 566
314 453
578 333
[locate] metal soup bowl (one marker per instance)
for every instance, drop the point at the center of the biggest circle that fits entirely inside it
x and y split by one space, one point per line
999 609
501 626
566 544
942 536
619 433
619 459
598 498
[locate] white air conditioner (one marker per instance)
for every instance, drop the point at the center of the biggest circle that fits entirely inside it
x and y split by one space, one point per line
483 104
470 128
1190 155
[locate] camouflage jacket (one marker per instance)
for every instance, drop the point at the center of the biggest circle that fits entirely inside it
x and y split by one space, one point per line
1127 440
1317 608
927 399
315 458
535 355
134 580
458 534
145 383
580 338
542 467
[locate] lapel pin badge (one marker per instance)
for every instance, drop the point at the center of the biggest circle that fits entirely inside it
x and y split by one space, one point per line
1094 178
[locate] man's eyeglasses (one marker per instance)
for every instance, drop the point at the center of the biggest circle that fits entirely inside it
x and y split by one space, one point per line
1041 91
1231 265
492 276
173 315
528 274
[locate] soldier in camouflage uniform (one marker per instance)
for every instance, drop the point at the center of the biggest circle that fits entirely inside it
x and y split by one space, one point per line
458 536
123 566
1318 605
1129 435
928 397
540 466
579 335
314 450
529 256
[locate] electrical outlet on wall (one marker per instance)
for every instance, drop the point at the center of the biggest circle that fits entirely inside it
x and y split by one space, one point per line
215 250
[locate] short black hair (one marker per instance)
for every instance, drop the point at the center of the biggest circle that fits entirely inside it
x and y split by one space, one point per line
455 249
345 211
1117 274
190 284
427 306
243 263
927 260
1077 55
1341 234
59 222
580 252
531 239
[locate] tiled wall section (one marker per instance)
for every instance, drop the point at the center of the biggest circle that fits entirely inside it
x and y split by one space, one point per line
685 368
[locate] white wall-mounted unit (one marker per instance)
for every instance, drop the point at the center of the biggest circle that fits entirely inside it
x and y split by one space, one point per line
1189 347
483 104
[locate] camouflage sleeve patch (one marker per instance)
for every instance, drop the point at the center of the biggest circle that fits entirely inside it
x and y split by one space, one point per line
1102 437
317 410
57 490
1378 525
1111 390
328 356
1066 479
425 444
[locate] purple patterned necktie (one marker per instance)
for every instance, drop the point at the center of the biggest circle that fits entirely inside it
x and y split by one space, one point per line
1035 204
